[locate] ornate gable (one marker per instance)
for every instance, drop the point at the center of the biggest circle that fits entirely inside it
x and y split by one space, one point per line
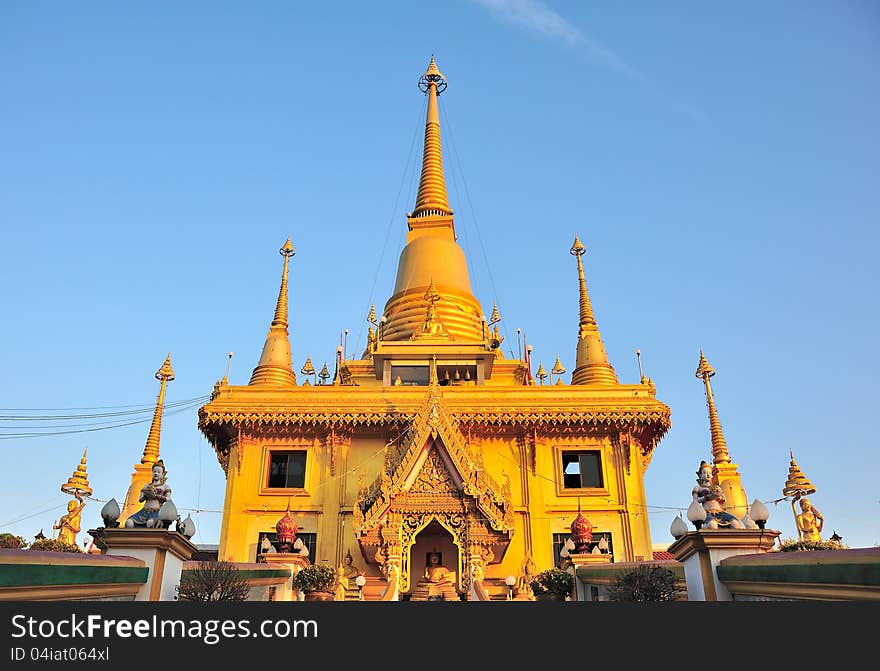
432 467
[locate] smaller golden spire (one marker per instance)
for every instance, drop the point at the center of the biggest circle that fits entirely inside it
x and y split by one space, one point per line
372 316
719 445
276 366
79 481
592 365
151 450
557 367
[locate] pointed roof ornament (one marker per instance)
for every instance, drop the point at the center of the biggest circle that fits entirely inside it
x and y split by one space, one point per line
432 199
719 445
151 449
324 374
591 365
496 317
557 367
308 368
541 374
372 316
276 366
79 481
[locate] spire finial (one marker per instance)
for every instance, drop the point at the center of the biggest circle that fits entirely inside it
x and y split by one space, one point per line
276 366
151 449
592 365
719 445
432 199
280 319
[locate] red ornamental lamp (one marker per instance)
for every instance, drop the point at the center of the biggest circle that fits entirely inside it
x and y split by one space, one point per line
581 533
286 528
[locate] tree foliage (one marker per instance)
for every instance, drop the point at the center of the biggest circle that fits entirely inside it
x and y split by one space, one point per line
315 578
794 545
12 542
212 581
553 580
54 545
646 583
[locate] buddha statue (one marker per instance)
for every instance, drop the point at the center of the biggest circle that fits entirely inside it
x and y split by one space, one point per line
69 525
436 583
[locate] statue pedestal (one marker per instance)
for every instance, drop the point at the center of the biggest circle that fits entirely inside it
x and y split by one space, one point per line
578 560
292 561
430 591
701 551
163 551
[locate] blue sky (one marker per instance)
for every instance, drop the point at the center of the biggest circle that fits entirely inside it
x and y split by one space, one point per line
720 163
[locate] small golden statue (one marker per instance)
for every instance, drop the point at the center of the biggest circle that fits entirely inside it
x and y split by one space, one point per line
69 525
809 522
77 485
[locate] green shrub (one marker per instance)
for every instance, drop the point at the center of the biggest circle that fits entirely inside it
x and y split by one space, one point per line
12 542
553 580
315 578
794 545
212 581
54 545
646 583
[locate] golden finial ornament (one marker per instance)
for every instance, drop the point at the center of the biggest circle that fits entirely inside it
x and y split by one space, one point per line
324 374
592 365
276 365
719 445
308 368
79 481
372 316
496 317
151 450
541 374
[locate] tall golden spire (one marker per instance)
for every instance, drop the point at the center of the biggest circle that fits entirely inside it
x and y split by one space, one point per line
143 470
432 199
276 366
720 454
431 252
151 450
592 365
722 466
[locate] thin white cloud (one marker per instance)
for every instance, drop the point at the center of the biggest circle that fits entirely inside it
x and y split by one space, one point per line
537 17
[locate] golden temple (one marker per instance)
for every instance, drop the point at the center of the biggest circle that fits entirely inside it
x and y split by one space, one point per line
432 442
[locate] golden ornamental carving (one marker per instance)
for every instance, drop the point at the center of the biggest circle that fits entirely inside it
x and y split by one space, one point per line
433 477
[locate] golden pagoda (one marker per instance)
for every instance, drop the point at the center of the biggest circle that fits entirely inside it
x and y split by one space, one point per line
432 449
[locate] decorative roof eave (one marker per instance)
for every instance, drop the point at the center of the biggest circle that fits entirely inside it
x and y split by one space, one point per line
211 420
649 418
